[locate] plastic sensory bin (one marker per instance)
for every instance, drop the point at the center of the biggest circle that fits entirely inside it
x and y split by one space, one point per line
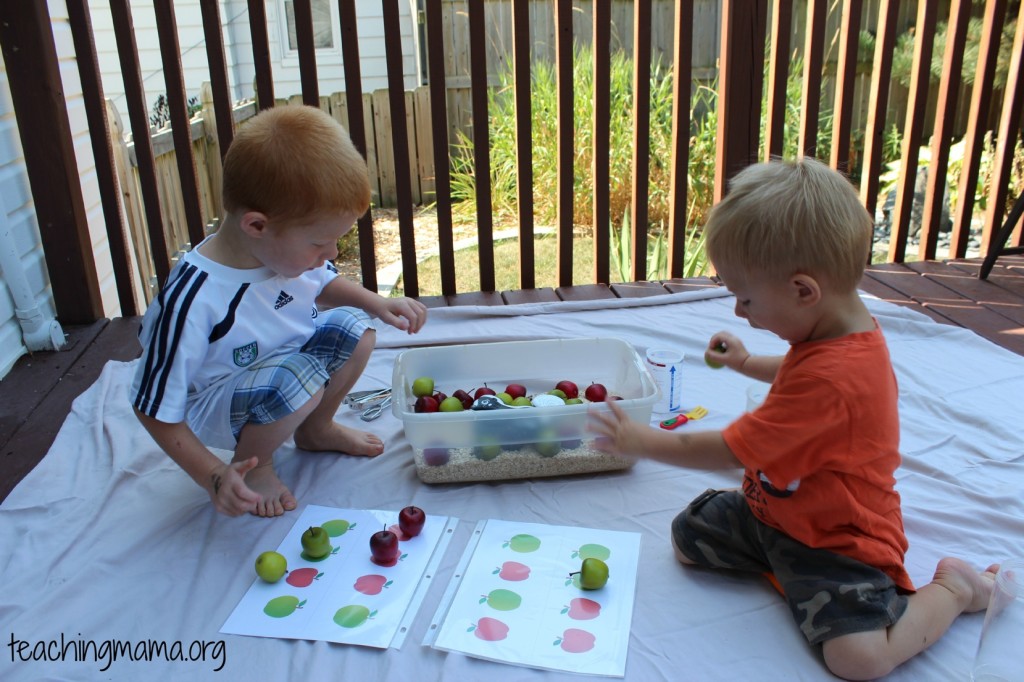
527 442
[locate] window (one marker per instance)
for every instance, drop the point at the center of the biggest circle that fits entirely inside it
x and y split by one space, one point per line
323 25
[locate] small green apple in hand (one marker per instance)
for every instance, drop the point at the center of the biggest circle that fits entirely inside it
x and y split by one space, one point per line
714 364
271 566
316 543
593 574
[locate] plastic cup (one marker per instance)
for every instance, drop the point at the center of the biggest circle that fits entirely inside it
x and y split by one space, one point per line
998 658
756 394
666 366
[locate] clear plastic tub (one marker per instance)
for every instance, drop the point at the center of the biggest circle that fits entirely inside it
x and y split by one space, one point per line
485 445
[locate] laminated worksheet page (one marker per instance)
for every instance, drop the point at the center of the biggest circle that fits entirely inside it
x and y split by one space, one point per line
344 597
515 601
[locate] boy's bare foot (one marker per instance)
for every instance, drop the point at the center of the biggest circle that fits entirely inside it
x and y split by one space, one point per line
971 588
338 438
276 498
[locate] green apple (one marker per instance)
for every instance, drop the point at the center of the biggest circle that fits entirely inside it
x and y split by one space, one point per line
713 364
316 543
271 566
593 574
574 401
522 401
559 392
451 404
423 386
505 398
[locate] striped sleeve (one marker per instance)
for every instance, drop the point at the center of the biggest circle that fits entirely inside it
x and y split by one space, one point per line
161 383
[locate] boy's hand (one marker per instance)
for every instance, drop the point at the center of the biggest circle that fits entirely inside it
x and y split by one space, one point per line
228 491
726 349
617 433
404 313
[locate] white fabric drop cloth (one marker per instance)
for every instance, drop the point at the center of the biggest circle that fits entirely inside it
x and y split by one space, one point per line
107 539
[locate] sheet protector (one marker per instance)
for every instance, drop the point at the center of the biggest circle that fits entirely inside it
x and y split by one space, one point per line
344 597
517 601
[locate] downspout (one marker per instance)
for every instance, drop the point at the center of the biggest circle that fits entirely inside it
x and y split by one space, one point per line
38 331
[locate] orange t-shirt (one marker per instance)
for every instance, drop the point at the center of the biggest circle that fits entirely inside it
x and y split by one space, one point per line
821 451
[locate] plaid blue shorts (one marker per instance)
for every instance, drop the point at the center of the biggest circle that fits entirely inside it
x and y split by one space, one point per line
274 388
828 594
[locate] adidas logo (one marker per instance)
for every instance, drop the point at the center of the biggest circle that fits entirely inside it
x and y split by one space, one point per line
283 299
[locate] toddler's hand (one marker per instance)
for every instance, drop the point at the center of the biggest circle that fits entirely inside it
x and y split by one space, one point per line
404 313
228 491
726 349
617 433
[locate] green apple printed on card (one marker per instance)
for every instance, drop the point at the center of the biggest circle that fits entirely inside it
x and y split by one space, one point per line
353 615
523 543
337 527
280 607
502 600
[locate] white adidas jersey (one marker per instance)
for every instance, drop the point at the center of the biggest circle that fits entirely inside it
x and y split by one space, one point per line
211 321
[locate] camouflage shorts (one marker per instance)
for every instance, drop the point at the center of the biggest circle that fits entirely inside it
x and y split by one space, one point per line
828 594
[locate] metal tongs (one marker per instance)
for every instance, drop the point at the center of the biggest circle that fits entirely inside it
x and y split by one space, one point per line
374 411
359 400
372 402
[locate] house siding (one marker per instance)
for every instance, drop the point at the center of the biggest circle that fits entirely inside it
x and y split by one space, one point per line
238 51
18 202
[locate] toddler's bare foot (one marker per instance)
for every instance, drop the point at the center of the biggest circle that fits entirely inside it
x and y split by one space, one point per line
971 588
276 498
337 438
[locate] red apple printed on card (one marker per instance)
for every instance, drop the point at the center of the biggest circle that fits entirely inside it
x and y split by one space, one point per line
575 641
489 629
582 608
371 584
303 577
513 571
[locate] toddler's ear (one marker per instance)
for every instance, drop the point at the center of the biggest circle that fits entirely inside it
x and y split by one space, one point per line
253 223
806 288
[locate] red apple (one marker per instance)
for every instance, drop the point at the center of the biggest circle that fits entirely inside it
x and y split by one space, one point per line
302 577
490 629
513 571
435 457
577 641
567 387
583 609
371 584
482 391
516 391
384 548
596 393
465 398
425 403
411 520
439 396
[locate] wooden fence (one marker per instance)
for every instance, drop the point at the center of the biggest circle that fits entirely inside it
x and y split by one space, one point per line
755 50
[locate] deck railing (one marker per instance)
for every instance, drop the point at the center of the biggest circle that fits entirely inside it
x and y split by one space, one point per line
755 51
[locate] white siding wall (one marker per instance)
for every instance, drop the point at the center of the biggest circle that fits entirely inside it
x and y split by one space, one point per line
238 46
20 207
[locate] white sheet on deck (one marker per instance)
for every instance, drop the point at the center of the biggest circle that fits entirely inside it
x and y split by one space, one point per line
108 540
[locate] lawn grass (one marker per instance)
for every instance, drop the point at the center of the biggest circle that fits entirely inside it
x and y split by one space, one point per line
506 266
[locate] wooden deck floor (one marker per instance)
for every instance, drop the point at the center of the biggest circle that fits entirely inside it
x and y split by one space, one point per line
36 396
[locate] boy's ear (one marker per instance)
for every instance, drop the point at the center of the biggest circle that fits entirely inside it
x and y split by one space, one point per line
806 288
253 223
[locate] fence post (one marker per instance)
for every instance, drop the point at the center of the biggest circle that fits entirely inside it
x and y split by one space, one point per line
213 167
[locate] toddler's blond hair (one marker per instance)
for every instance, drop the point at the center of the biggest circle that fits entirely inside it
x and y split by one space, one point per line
785 217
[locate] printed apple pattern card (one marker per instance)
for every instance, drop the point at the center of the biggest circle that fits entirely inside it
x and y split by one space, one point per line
522 598
353 577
